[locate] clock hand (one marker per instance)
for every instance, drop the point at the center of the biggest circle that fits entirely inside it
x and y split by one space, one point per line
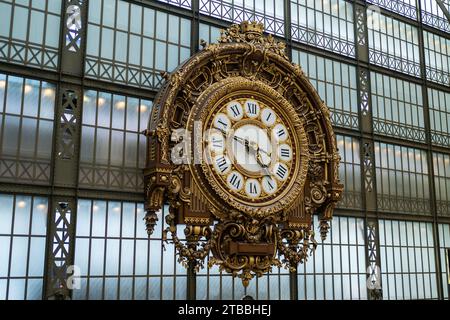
255 150
236 138
265 167
221 131
264 151
243 141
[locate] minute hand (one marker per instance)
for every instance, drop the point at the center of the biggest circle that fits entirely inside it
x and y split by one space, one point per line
256 151
253 146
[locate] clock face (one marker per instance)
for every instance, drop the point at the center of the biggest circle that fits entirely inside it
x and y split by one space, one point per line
250 149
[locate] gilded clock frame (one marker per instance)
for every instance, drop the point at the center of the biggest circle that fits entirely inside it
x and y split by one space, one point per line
203 175
244 240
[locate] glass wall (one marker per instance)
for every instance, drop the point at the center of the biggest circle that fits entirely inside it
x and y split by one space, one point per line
397 108
26 129
27 32
324 24
215 285
208 33
118 260
112 148
336 84
22 246
130 44
350 171
439 104
441 163
268 12
408 265
406 8
437 58
444 241
402 179
393 44
433 15
180 3
337 270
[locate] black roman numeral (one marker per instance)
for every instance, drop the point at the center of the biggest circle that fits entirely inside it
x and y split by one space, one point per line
251 108
217 143
234 181
236 111
270 185
252 188
281 132
285 152
222 164
269 116
224 124
281 171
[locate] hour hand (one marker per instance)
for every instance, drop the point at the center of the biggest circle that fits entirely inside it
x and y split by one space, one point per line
264 166
243 141
221 131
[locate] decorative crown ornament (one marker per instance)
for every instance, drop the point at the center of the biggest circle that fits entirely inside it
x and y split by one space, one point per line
252 29
244 234
252 33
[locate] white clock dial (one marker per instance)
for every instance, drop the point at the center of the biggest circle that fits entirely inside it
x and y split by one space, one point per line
269 185
235 111
235 180
268 117
222 122
222 164
252 108
247 159
280 133
281 171
216 142
285 152
253 188
250 149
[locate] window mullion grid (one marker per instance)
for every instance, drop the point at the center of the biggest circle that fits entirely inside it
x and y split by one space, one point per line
161 271
28 247
27 37
386 259
408 257
415 259
349 245
88 275
3 120
110 136
44 38
13 219
105 252
19 137
421 257
121 241
38 123
393 271
431 180
400 259
133 289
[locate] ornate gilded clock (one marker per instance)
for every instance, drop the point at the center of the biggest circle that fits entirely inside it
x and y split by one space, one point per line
251 147
241 148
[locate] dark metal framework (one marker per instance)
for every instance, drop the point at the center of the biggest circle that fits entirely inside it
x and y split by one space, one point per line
65 67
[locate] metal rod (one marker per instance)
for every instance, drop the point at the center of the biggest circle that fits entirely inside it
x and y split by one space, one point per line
293 284
191 282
